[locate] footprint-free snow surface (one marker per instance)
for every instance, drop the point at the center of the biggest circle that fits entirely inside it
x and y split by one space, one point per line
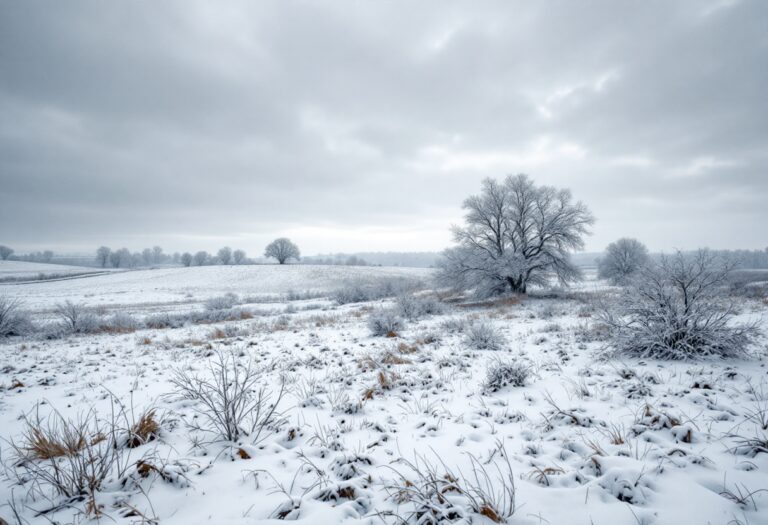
396 428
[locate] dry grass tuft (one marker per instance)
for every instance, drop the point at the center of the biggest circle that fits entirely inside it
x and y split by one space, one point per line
41 442
405 348
218 333
146 429
388 358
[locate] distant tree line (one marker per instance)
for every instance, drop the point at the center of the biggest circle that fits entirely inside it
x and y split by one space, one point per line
106 257
6 253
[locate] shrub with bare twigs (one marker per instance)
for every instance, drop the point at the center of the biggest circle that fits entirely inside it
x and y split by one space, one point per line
233 398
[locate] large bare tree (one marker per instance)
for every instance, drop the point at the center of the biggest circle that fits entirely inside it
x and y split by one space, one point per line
516 234
282 249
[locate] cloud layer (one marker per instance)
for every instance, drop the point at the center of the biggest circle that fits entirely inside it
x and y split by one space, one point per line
362 125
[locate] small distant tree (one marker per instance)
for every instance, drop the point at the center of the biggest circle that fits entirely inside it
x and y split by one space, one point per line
622 259
186 259
283 250
225 255
103 256
120 258
238 256
146 256
5 252
157 254
176 258
47 256
516 234
201 258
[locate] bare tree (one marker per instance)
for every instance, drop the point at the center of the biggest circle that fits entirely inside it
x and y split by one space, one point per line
201 258
120 258
238 256
5 252
103 256
516 234
157 254
282 249
676 309
225 255
186 259
146 256
47 256
622 259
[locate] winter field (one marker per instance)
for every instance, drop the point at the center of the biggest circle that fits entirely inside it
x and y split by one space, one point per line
376 400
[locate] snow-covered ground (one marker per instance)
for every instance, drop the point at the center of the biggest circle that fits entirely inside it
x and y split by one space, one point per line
196 284
18 270
589 440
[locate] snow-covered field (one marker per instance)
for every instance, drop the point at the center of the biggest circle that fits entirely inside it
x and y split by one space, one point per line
385 429
170 286
21 270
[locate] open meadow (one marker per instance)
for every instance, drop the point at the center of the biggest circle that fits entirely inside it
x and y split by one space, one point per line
258 394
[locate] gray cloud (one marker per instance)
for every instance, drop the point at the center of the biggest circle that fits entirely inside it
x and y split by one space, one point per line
362 125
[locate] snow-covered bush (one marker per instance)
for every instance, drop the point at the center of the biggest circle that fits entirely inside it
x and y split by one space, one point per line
119 322
505 373
412 307
385 322
232 398
676 309
223 302
360 290
75 317
483 336
13 320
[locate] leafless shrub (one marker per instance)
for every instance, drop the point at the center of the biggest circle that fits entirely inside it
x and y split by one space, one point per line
75 317
385 322
233 398
13 321
675 309
359 291
482 335
223 302
413 307
57 456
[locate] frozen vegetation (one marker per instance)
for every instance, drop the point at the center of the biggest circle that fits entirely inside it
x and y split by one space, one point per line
259 394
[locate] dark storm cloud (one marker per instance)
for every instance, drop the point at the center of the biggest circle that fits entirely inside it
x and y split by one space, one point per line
364 124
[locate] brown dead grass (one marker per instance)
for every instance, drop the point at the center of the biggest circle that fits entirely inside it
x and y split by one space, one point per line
42 442
388 358
405 348
144 430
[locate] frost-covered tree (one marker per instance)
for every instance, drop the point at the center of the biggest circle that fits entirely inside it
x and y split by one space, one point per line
146 256
282 249
201 258
5 252
46 256
516 234
157 254
622 259
225 255
239 256
103 256
186 259
676 308
120 258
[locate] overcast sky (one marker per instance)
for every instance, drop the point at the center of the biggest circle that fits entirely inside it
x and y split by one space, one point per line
361 126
